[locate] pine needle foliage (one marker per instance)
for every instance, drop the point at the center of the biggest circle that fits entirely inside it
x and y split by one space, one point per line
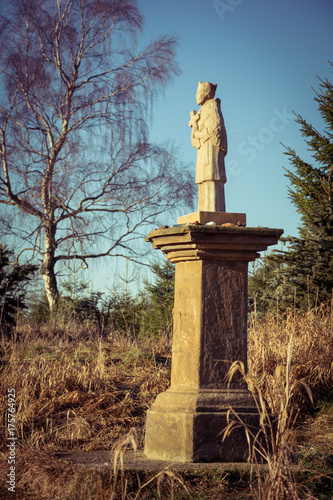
304 272
13 281
160 298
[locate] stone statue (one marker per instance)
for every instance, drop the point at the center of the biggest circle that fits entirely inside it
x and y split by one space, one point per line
210 139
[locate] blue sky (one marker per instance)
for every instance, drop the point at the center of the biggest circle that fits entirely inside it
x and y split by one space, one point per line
264 56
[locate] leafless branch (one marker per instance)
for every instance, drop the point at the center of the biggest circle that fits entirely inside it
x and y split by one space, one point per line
73 130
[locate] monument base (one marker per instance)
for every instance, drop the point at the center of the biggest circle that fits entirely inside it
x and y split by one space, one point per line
187 421
177 431
218 217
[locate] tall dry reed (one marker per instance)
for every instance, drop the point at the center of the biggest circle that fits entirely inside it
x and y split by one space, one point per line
290 357
84 393
312 359
78 391
270 443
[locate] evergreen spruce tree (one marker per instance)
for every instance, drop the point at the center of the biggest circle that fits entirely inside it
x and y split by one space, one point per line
160 299
13 281
304 272
264 290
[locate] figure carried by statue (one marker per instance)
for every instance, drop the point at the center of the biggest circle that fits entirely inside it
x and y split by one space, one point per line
209 137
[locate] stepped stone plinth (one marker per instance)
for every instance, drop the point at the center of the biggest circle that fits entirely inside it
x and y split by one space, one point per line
210 332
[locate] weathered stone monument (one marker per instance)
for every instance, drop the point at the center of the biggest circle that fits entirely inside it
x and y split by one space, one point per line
186 422
210 139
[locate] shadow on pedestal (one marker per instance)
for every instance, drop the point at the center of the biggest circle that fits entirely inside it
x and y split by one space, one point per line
188 427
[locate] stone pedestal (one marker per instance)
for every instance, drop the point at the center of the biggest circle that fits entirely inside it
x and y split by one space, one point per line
218 217
210 332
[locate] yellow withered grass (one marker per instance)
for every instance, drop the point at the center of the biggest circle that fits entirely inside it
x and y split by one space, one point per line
77 391
290 357
311 359
82 394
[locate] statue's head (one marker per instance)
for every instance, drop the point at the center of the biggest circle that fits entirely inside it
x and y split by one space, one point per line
205 91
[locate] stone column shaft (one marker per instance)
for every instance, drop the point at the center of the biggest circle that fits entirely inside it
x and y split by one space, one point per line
210 322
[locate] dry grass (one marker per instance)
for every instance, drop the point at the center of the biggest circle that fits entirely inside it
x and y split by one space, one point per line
44 477
77 391
312 354
83 394
290 358
270 442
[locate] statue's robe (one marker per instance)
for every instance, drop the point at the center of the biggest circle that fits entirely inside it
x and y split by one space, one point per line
213 147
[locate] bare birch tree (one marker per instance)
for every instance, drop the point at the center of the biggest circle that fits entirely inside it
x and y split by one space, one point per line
76 159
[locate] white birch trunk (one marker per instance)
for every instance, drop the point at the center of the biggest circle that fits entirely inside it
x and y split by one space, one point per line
47 270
